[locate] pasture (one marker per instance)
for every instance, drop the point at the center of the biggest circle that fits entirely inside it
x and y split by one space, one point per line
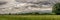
29 17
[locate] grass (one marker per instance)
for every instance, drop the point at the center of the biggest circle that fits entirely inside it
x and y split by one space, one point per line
29 17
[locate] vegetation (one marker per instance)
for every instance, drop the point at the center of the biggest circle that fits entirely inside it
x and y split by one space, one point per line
29 17
56 8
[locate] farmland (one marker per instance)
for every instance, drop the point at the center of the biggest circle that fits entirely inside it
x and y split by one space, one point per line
29 17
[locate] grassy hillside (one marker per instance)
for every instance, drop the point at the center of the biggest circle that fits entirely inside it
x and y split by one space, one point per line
29 17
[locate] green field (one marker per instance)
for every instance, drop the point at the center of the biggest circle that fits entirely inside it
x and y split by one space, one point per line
29 17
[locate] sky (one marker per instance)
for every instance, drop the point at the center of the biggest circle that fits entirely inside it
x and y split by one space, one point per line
13 6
